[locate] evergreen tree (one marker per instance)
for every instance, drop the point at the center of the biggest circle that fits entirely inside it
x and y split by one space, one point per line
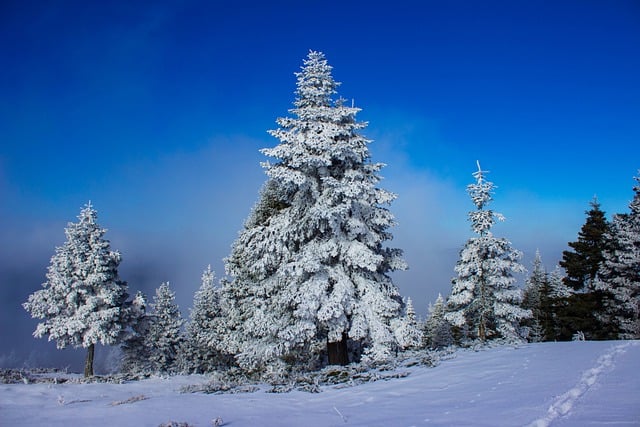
532 299
557 287
619 275
555 301
310 270
252 326
165 330
547 297
582 263
437 331
83 300
483 294
581 266
199 352
546 309
135 351
406 328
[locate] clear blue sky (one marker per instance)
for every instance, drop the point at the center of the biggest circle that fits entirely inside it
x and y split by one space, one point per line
155 111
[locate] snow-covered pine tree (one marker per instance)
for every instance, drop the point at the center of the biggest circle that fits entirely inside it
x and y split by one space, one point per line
555 300
532 298
407 330
313 271
252 325
437 331
135 353
483 293
83 299
619 274
165 330
199 352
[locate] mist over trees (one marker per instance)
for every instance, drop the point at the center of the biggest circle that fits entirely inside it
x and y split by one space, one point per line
308 280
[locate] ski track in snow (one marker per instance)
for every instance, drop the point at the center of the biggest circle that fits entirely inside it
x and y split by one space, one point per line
563 404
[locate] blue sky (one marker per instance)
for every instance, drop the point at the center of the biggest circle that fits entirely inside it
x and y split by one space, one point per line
155 111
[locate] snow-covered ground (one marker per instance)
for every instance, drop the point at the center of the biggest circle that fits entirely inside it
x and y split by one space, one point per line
558 384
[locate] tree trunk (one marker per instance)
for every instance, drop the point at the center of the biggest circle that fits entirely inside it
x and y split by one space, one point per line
337 351
482 334
88 365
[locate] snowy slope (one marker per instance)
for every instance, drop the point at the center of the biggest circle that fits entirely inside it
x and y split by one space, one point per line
559 384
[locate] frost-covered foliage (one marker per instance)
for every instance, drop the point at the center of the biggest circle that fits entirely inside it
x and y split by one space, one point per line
558 289
82 301
437 331
235 381
407 329
483 296
547 296
199 352
165 330
135 352
534 295
619 274
555 300
310 266
534 283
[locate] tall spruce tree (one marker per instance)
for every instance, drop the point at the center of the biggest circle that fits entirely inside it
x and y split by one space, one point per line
619 274
581 265
484 296
310 270
83 300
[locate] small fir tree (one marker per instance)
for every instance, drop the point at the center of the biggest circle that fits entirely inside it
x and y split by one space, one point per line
437 331
619 275
532 299
310 270
199 352
165 330
556 297
406 328
546 310
83 300
483 294
135 352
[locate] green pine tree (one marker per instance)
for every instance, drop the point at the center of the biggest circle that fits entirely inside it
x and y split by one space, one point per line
581 265
583 261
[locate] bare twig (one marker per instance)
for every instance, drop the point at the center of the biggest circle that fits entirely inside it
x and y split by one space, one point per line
130 400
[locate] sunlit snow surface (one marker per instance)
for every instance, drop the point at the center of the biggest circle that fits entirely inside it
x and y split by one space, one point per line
549 384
